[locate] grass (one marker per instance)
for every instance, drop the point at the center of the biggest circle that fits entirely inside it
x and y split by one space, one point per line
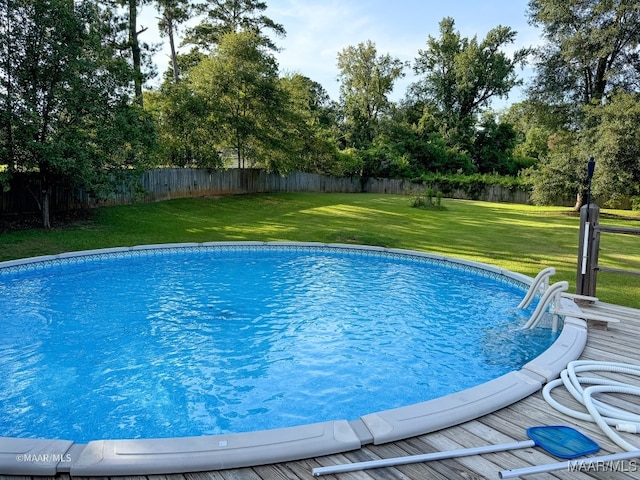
521 238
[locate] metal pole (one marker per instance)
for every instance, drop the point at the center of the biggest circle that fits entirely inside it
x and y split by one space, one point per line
427 457
591 166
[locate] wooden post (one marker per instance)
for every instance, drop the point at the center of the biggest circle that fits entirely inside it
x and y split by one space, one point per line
588 245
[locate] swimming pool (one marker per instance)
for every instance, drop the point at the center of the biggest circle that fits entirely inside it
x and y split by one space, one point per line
287 304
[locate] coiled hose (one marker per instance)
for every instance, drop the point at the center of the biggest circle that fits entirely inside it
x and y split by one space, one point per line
599 412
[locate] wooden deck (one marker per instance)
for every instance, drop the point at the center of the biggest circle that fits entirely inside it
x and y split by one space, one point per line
617 344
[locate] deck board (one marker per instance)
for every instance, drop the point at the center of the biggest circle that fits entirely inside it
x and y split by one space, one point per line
618 343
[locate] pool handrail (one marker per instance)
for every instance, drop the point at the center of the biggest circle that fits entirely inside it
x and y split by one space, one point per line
551 295
542 279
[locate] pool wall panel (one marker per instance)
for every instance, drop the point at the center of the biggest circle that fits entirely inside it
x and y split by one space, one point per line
425 417
193 454
567 347
26 456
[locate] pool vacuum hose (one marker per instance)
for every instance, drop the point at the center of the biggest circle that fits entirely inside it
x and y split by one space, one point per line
599 412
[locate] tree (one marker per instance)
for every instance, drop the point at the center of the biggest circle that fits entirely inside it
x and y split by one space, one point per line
127 21
592 48
591 51
532 134
187 132
239 84
562 171
232 16
65 96
185 62
311 120
461 76
134 44
493 147
617 146
367 79
172 14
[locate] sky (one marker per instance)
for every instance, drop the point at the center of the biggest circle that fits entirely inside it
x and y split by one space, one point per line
318 29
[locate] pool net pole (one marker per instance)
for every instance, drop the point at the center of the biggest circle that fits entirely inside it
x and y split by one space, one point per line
427 457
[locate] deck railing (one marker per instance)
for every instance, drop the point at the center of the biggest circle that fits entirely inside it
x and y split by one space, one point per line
589 250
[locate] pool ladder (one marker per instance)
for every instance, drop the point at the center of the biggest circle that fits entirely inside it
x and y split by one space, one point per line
550 296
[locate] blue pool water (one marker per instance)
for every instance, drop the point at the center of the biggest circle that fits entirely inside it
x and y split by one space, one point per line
169 343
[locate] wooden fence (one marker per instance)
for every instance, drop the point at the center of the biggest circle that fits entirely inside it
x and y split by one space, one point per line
168 183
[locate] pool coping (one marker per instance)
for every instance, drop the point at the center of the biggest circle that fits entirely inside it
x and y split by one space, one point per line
43 457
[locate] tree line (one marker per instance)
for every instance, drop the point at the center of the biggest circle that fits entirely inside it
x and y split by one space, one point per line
73 102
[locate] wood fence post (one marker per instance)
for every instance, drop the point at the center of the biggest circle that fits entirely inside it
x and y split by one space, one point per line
588 246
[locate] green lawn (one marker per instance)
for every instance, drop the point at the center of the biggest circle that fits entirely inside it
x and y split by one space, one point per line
521 238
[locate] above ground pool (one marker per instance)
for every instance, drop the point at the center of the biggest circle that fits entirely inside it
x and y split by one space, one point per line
221 341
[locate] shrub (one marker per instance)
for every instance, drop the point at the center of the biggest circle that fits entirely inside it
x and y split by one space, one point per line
473 185
428 198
